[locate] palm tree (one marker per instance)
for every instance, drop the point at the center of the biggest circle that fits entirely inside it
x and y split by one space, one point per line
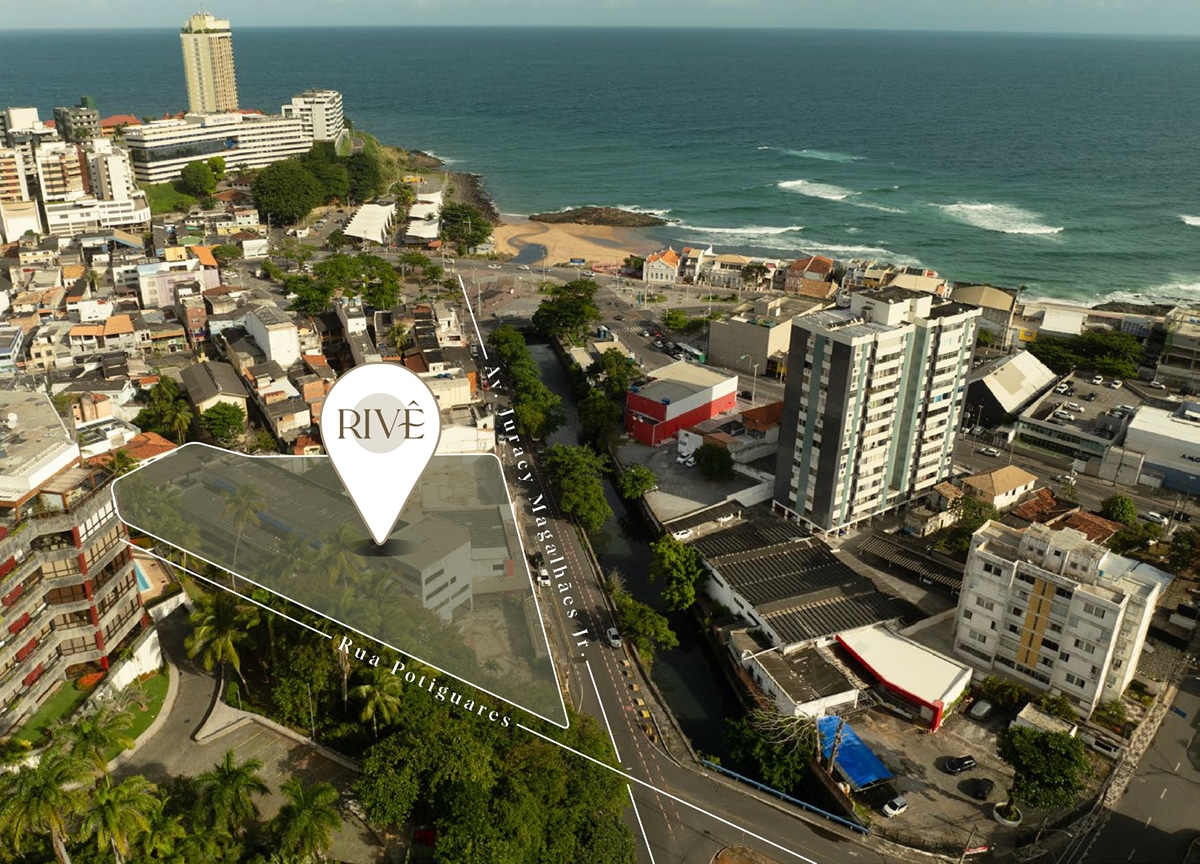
121 463
381 695
43 799
95 733
339 554
305 824
218 625
227 792
118 814
243 507
177 418
159 843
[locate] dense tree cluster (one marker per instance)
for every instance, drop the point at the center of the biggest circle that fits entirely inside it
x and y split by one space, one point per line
167 411
615 370
714 461
1107 352
970 516
465 225
537 410
1119 508
773 748
224 421
679 568
569 312
197 179
576 476
644 628
1048 767
635 481
363 275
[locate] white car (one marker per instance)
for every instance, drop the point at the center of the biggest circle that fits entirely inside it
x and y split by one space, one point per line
895 807
544 577
682 533
1066 479
989 451
1116 384
522 266
682 458
1155 517
588 273
1158 385
613 635
1098 380
493 266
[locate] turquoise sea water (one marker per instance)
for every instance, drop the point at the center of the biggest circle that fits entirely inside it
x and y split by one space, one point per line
1067 164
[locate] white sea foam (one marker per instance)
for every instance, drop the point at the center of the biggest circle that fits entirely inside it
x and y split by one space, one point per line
816 190
881 208
768 230
1001 218
823 155
649 211
1190 220
443 159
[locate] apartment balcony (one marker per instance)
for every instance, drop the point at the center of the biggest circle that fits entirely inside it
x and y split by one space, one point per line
45 649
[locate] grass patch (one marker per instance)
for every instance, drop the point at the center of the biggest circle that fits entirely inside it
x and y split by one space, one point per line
165 198
62 703
156 694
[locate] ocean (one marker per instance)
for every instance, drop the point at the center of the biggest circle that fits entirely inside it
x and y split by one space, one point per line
1065 164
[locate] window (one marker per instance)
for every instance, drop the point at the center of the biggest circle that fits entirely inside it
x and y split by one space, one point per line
1050 644
1093 610
1086 647
1025 577
1064 656
1046 661
968 615
1076 681
1054 628
1017 611
1062 592
1013 628
985 604
978 637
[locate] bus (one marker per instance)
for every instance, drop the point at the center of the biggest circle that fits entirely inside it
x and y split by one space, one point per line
695 355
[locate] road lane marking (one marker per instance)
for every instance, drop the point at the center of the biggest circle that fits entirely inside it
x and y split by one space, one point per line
1162 796
1149 819
604 713
638 816
675 798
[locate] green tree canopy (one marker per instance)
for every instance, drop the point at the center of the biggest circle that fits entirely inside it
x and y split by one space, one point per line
714 461
646 629
286 192
465 224
226 252
1048 767
598 415
1119 508
569 312
675 319
679 568
778 751
1185 551
216 165
575 476
312 295
635 481
197 179
1134 537
224 421
616 370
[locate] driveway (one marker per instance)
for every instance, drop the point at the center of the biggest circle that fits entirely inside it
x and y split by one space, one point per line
172 752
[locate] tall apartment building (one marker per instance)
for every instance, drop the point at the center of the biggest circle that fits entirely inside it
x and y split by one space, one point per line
79 122
320 112
13 185
208 65
872 405
1179 364
68 592
160 150
26 133
60 172
110 173
1055 611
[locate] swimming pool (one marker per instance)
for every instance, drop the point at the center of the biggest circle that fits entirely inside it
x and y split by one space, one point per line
143 582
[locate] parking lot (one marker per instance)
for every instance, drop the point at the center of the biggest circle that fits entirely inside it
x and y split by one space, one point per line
680 489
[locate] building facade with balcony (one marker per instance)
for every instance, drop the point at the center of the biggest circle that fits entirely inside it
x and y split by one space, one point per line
1055 611
68 591
873 401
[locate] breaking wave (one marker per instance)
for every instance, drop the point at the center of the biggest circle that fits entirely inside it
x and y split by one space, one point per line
1001 218
1191 220
816 190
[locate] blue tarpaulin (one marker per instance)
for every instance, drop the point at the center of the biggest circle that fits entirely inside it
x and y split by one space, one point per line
855 761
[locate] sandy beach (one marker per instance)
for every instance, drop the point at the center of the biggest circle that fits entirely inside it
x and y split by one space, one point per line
597 245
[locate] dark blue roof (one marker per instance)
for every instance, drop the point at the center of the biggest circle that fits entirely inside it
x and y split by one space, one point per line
855 761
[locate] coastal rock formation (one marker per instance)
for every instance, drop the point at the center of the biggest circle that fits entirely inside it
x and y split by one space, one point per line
611 216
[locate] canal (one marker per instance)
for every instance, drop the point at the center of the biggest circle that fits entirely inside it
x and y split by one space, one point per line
687 676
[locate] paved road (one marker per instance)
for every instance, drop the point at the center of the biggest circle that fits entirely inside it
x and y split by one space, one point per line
1159 814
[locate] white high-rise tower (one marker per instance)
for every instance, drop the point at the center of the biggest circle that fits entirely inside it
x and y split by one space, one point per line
208 65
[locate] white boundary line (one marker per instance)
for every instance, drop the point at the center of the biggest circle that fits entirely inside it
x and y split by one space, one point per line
603 713
674 798
557 685
217 584
638 816
471 312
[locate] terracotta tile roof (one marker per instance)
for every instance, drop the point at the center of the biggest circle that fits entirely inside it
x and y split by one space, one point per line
204 254
668 256
1097 528
1001 481
118 324
73 272
812 264
1043 507
141 447
87 330
120 120
948 491
816 288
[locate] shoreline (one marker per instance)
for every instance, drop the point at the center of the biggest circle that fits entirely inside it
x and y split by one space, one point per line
559 242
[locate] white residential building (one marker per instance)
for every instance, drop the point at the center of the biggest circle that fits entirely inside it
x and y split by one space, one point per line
59 172
162 149
110 172
872 406
68 218
320 111
275 333
13 185
1055 611
208 64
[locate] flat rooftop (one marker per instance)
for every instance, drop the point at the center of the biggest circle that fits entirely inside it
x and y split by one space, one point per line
1097 418
32 436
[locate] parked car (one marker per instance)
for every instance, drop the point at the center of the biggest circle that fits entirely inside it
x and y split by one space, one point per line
1098 380
1064 478
588 273
493 266
544 577
681 458
1062 388
980 710
895 807
682 533
1155 516
1158 385
989 451
522 266
614 637
618 317
1076 407
959 764
745 394
1180 516
980 788
691 462
1116 384
1091 397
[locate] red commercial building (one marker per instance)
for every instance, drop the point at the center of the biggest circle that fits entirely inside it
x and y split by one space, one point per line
678 396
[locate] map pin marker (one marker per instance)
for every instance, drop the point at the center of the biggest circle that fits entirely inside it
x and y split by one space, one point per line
380 425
